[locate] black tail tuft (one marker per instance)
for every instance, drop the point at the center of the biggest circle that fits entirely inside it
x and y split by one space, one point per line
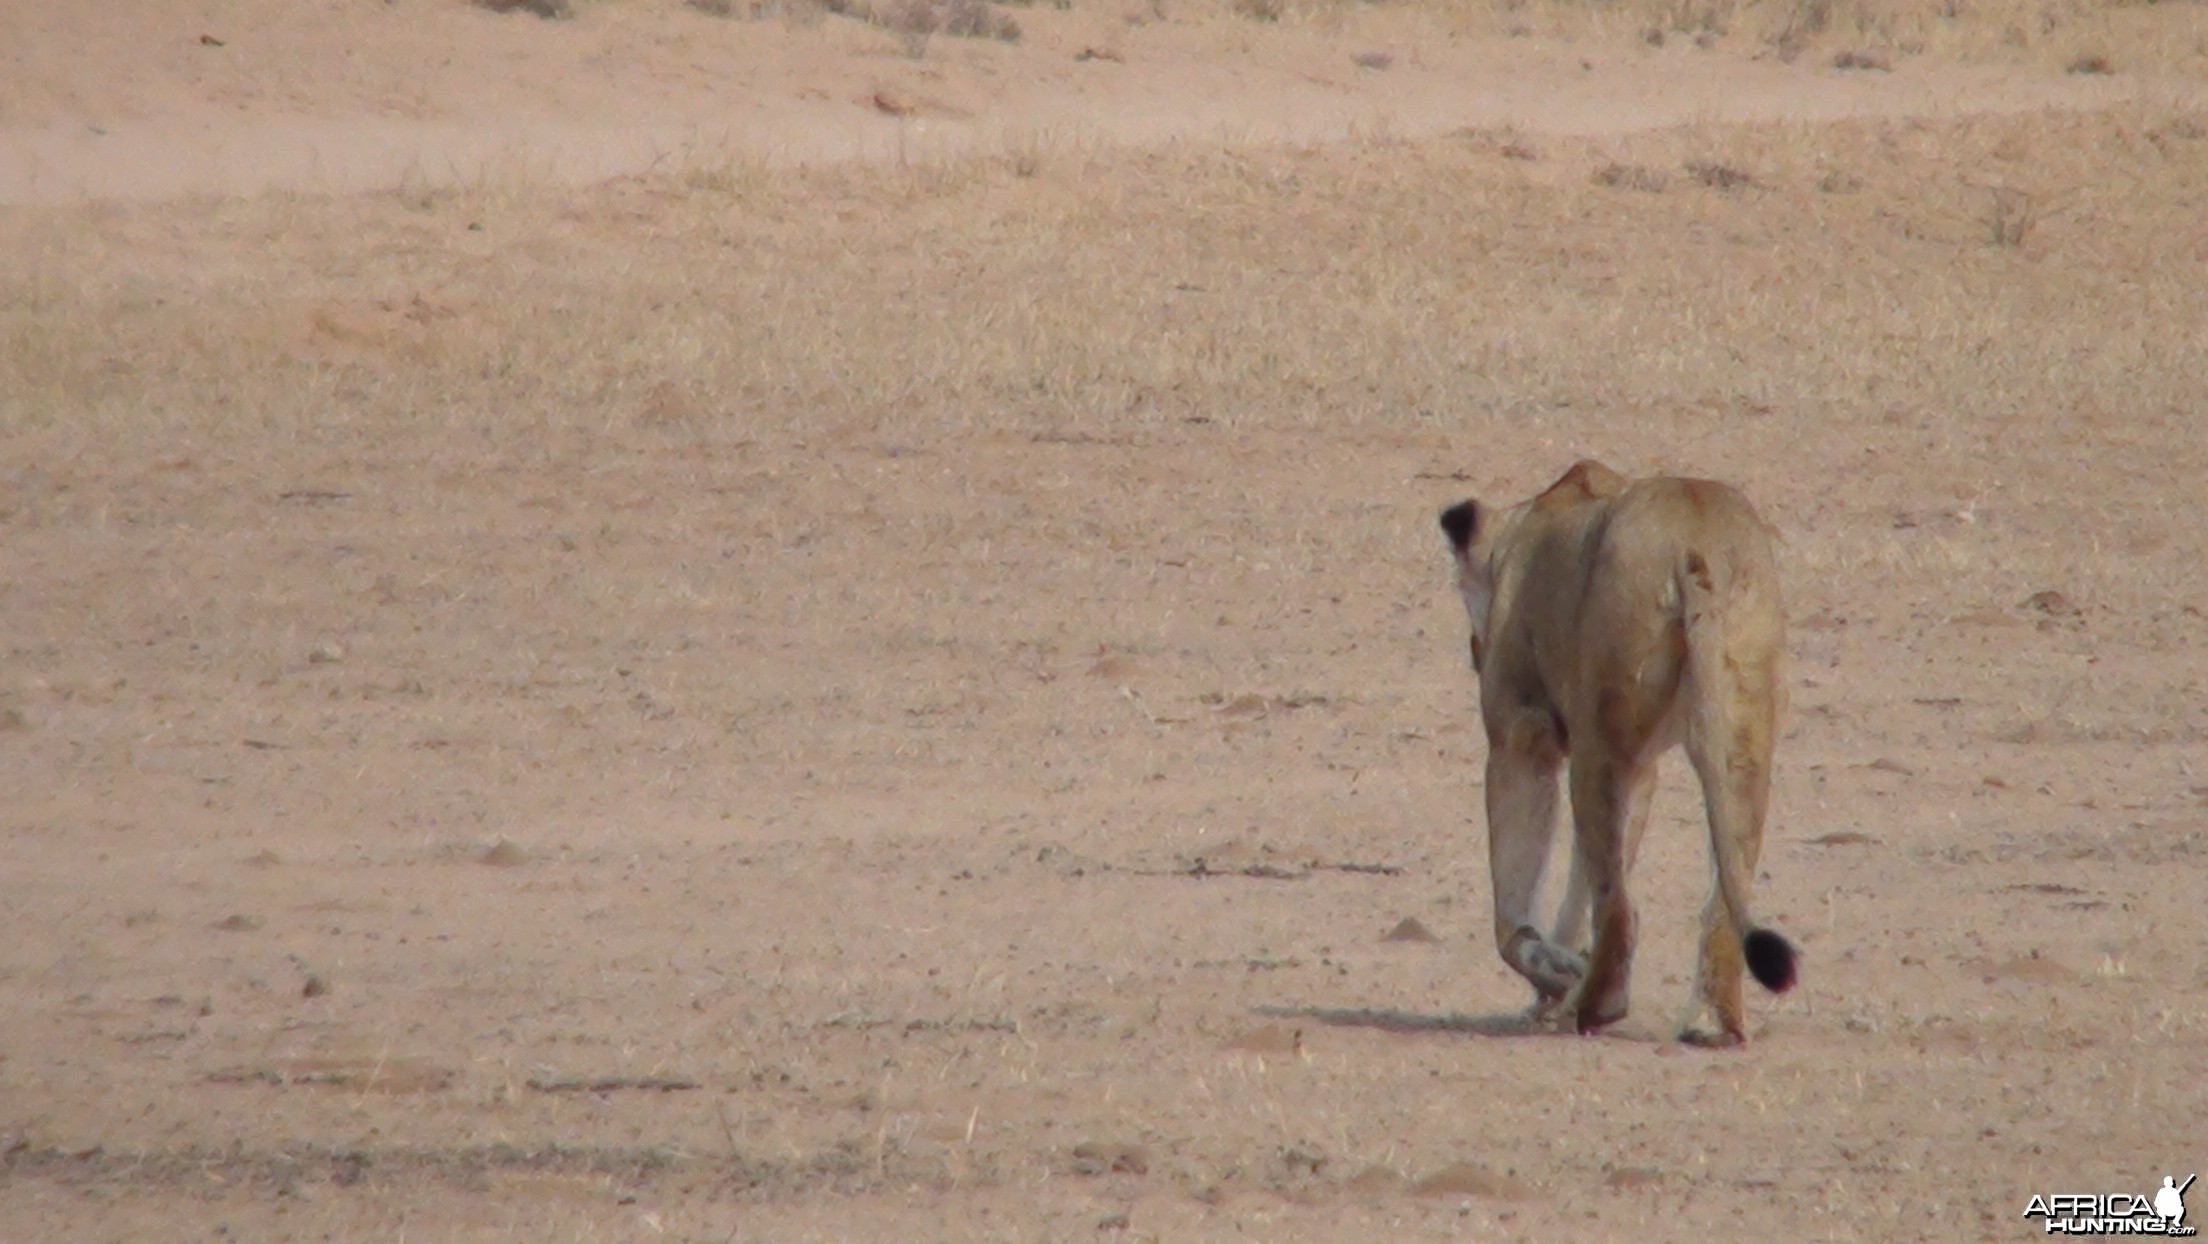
1770 960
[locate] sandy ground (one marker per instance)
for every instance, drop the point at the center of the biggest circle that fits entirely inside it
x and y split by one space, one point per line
785 697
147 100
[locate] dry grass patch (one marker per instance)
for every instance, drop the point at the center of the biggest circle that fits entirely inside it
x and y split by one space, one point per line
1632 177
1718 175
799 13
1219 314
914 22
1860 35
2010 215
551 10
958 19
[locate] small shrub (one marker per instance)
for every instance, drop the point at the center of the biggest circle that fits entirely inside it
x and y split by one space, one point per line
551 10
2092 63
1506 142
1632 177
913 21
1872 61
795 12
1373 60
1799 26
1718 176
2010 216
973 19
908 17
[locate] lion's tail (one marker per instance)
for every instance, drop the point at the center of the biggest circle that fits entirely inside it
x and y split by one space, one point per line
1729 733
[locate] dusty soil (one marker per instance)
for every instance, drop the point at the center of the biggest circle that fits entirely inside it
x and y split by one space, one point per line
796 695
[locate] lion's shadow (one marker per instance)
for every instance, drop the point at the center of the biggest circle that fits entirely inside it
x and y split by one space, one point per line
1516 1024
1413 1023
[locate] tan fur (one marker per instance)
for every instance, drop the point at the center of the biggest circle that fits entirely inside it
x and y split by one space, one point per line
1612 619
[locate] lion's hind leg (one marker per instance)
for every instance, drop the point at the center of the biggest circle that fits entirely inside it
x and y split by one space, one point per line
1572 912
1731 748
1609 798
1717 979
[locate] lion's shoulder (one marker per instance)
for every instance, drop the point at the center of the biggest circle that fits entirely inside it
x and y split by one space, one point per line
1588 480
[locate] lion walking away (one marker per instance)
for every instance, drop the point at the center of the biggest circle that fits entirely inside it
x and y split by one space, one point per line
1612 620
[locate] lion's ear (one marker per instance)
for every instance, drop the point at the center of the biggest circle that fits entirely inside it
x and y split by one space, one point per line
1461 522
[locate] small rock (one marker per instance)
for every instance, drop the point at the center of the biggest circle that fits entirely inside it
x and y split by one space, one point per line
1114 668
1409 929
2053 604
1248 704
505 854
1374 1181
1092 1157
1632 1177
1269 1039
1841 838
1466 1179
669 405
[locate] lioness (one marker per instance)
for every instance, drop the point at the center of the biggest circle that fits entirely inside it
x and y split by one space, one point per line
1610 620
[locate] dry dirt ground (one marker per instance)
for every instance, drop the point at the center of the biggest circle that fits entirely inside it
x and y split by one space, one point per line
777 698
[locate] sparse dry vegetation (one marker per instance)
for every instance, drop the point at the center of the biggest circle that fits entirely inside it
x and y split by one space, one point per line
1862 35
915 21
2010 215
1097 351
1632 177
554 10
1718 175
797 13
